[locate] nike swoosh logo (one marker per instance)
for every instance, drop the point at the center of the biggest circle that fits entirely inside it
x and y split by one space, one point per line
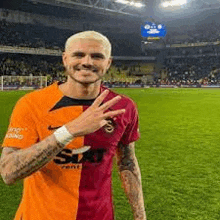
50 128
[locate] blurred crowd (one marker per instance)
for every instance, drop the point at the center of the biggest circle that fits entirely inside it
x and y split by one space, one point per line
176 71
194 34
35 36
38 36
187 65
192 68
26 65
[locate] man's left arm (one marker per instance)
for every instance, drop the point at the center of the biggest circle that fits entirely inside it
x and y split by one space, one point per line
131 179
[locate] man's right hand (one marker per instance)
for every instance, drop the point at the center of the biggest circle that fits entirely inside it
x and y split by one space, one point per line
94 117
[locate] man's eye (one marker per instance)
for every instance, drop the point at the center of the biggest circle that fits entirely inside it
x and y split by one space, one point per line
97 56
78 55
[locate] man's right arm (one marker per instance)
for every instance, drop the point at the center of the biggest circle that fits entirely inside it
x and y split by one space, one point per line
17 163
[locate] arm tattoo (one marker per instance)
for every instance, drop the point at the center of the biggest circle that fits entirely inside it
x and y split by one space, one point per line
18 164
131 179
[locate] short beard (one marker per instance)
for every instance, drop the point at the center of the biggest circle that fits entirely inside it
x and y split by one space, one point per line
68 71
84 83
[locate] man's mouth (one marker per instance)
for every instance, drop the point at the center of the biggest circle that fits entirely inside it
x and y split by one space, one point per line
95 70
87 71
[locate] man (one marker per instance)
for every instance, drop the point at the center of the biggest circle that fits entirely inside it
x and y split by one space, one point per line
62 139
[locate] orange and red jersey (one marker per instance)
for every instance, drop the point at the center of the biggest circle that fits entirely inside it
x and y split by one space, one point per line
71 186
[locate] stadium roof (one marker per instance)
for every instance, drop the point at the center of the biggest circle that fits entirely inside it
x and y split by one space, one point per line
137 8
114 8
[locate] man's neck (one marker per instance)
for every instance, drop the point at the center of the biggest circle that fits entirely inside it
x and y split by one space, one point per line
79 91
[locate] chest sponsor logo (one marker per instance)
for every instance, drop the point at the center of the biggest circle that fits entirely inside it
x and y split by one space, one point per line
110 126
68 160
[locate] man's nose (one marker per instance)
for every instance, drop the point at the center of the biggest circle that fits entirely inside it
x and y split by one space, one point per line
87 61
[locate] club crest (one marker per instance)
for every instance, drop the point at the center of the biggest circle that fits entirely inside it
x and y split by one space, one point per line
110 126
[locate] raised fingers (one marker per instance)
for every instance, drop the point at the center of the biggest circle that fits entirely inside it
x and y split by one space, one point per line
100 98
110 103
114 113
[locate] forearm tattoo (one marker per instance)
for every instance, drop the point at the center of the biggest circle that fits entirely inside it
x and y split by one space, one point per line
131 180
21 163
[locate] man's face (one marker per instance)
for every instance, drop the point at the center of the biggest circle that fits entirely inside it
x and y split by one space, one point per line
86 61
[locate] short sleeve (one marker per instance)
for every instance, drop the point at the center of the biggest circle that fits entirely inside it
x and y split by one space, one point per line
131 133
22 131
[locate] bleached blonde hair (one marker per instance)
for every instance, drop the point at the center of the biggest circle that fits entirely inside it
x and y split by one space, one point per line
91 35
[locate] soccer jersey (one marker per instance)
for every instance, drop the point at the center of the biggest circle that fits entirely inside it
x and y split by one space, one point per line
71 186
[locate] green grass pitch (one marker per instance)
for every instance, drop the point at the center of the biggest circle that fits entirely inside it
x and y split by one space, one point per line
178 153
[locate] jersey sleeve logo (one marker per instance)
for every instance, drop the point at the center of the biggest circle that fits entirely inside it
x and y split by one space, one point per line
15 133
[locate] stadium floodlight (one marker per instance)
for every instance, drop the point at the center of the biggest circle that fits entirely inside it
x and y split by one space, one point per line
165 4
173 3
131 3
139 5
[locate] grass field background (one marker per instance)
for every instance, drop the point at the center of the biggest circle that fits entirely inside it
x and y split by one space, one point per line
178 153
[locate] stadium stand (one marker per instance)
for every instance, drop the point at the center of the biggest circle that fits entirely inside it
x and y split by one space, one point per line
191 54
17 65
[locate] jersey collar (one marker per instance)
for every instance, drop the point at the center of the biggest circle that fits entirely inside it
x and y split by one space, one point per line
66 101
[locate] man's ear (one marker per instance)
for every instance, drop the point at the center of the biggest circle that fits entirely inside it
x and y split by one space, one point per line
64 58
109 62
